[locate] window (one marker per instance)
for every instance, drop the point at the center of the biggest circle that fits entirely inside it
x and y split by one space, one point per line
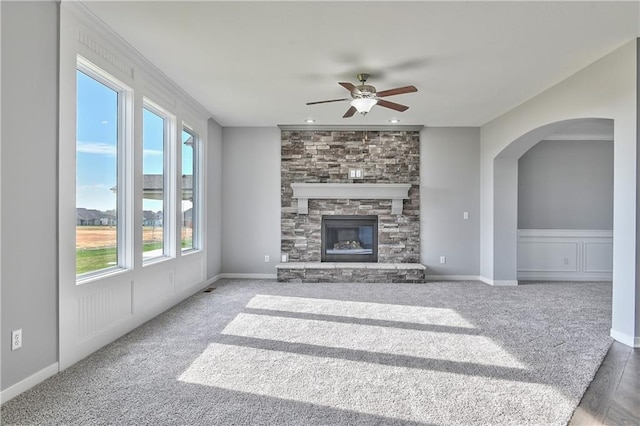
154 200
189 197
98 141
107 214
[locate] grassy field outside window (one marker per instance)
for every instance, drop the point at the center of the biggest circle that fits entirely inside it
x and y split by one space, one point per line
96 248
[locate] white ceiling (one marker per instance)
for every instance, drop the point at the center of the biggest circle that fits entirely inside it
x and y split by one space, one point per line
258 63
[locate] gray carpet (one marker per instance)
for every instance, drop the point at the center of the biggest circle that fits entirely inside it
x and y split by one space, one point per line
267 353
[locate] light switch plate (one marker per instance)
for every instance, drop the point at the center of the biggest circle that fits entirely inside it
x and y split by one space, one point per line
356 173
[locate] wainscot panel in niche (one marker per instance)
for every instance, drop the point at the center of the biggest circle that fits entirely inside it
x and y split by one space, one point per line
316 156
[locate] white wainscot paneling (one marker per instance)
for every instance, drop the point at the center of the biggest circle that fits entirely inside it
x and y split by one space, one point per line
547 256
191 271
156 285
565 254
598 256
102 305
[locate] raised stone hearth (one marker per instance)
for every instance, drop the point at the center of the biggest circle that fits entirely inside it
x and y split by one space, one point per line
315 182
351 272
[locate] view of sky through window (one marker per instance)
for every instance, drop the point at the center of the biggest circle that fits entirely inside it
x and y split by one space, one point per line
97 137
153 152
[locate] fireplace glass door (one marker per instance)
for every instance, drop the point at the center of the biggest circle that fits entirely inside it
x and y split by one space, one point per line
349 239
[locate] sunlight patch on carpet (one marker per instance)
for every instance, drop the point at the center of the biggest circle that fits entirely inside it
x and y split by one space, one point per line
364 310
389 391
394 341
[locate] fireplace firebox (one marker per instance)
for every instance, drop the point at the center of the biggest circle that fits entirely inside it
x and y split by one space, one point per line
349 239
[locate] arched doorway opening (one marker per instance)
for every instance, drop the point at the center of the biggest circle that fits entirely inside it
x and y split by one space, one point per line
505 190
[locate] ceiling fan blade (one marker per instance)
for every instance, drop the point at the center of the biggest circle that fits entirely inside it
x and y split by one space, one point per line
331 100
350 87
392 105
349 112
397 91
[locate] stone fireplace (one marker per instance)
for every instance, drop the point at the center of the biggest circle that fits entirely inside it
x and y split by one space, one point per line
316 185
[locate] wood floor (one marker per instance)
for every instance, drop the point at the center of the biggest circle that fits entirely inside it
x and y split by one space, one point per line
613 398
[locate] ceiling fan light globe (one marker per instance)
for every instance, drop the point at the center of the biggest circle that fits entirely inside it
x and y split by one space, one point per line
363 105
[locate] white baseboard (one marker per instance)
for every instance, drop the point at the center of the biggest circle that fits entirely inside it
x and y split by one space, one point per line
214 279
452 278
249 276
26 384
485 280
498 282
565 276
505 282
625 339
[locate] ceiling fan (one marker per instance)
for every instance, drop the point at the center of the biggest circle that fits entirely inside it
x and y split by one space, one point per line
364 97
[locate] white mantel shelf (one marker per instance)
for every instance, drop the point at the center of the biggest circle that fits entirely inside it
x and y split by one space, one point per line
396 192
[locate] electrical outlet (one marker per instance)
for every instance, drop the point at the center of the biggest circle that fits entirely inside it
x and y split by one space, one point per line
465 215
566 261
16 339
266 259
443 259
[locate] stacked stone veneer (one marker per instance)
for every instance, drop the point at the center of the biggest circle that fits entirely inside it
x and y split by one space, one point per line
326 157
352 272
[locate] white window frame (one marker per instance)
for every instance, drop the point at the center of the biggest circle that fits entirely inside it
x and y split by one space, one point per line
124 242
169 159
197 184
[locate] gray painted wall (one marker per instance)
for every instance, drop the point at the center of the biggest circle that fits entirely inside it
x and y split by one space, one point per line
29 187
566 185
450 186
250 199
214 199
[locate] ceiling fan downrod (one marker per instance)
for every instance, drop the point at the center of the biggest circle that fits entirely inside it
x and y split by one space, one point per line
362 77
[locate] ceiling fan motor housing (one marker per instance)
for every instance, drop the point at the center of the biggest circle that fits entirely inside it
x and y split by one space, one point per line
364 91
